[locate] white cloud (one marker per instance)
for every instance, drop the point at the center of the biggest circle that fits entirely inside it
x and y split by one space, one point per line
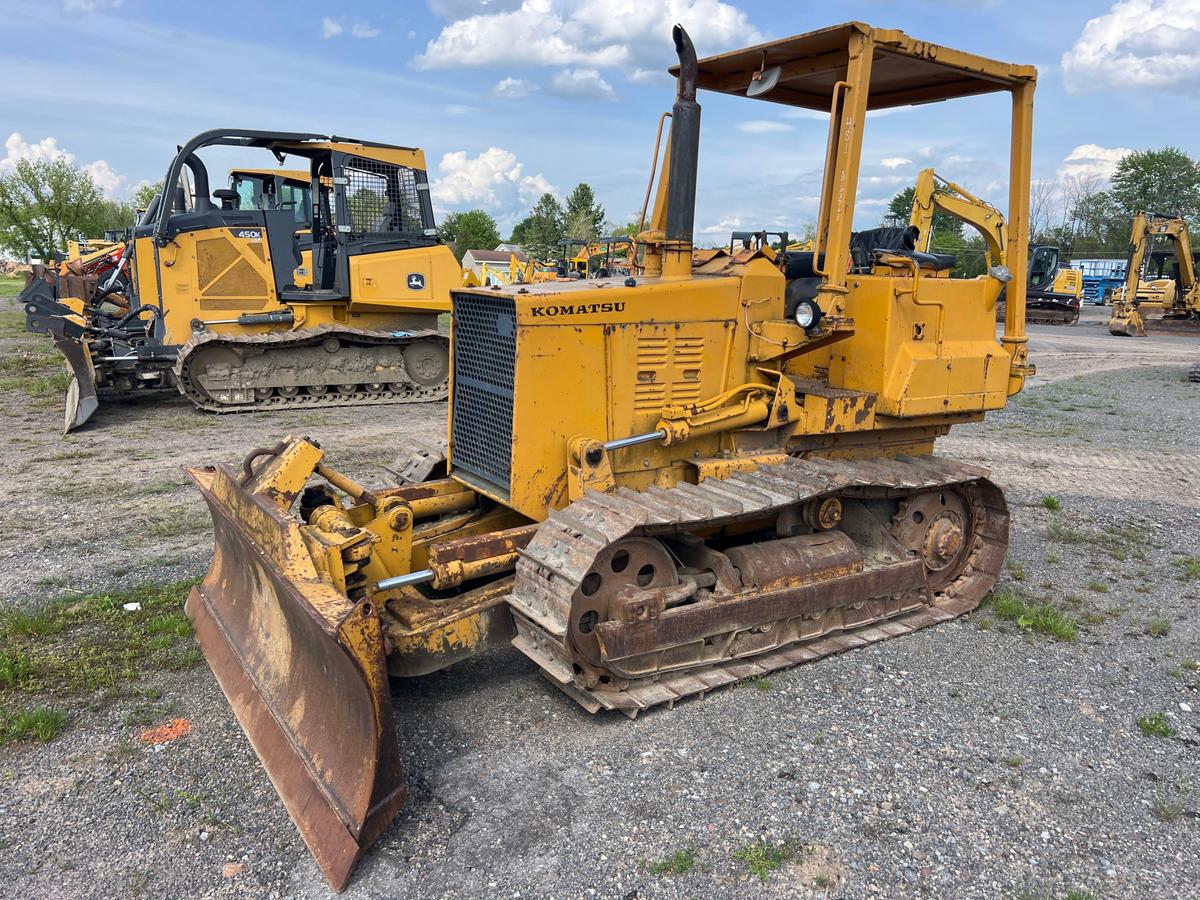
459 109
105 178
494 179
631 34
1138 44
87 6
583 84
895 162
47 149
723 227
1091 160
764 126
331 28
514 88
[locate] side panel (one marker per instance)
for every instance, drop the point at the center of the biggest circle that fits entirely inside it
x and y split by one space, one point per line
382 282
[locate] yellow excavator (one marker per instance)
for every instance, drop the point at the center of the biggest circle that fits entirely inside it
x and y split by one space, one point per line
1175 297
657 484
1053 293
327 292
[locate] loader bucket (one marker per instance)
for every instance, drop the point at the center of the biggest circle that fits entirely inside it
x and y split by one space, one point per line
304 669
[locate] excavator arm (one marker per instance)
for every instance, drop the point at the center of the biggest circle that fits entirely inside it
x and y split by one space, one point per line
933 193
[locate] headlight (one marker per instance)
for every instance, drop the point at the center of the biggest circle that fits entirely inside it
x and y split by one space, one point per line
808 314
1001 274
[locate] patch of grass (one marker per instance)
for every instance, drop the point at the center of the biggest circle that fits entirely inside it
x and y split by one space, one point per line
1098 587
14 668
38 386
10 286
1155 725
1014 761
1042 618
1167 810
174 522
762 682
1189 568
678 863
1016 571
40 723
1052 503
763 858
79 646
1158 628
1192 665
1053 558
1079 894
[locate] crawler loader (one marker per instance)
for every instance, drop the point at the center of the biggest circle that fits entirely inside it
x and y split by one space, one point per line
283 293
1175 300
657 484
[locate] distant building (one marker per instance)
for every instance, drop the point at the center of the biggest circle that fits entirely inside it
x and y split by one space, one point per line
496 259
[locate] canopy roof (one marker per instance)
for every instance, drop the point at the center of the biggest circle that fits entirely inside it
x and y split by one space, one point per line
904 70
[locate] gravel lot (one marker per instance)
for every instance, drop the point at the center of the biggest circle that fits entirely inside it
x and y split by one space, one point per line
975 759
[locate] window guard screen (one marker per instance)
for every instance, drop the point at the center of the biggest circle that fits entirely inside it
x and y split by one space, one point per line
382 200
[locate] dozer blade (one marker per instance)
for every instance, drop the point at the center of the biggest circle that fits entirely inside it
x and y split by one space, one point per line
304 669
82 401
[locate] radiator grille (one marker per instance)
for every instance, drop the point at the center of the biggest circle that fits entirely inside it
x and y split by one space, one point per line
485 344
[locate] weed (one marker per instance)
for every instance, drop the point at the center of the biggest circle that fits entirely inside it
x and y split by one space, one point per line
1155 725
1080 894
1192 665
1158 628
1052 503
762 858
1042 618
1016 571
41 723
1053 558
1098 587
678 863
193 800
14 668
1167 810
821 881
1014 761
1189 568
762 682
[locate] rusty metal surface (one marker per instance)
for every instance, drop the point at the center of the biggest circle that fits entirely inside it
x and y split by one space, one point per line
306 680
421 459
693 647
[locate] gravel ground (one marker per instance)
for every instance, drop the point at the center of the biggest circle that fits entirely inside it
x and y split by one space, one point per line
969 760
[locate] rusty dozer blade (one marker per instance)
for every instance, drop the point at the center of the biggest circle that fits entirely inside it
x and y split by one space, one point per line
303 668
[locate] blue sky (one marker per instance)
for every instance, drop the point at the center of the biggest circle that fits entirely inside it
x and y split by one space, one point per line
509 99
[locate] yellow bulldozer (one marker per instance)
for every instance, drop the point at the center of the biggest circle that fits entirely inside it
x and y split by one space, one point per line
1173 296
308 289
657 484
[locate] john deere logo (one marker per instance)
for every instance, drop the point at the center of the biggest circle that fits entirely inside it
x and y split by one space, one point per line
416 281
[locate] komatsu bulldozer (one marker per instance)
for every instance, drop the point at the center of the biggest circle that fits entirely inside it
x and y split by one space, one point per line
283 293
657 484
1174 298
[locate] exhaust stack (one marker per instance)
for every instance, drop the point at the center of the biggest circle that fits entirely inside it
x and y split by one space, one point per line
684 162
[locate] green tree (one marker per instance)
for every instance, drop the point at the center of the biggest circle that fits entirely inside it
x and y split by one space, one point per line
540 231
583 216
144 195
45 203
470 230
1162 181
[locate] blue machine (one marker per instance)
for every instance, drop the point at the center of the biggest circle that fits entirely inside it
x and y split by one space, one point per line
1101 278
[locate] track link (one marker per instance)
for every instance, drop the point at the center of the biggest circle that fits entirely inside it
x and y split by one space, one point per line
552 569
285 344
